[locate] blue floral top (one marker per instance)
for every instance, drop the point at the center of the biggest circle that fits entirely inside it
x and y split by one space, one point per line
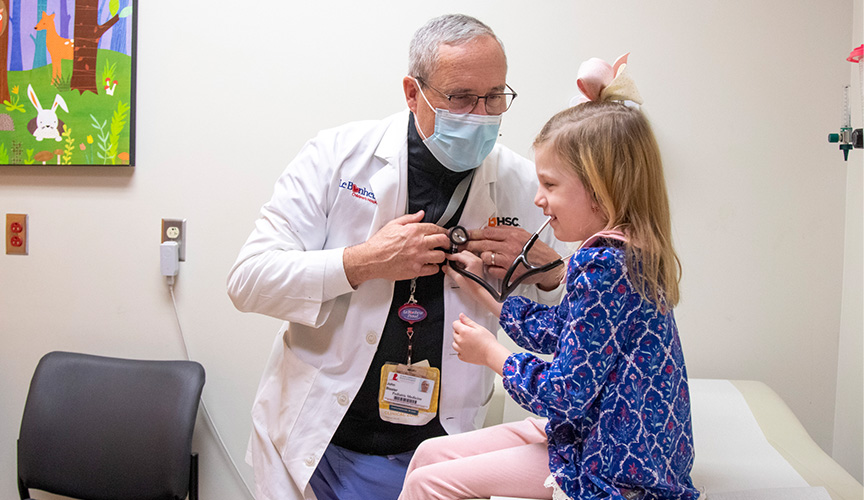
616 392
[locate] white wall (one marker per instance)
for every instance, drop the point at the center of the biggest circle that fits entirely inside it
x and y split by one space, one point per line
741 95
848 427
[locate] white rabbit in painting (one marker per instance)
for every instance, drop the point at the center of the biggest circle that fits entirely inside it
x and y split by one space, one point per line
46 125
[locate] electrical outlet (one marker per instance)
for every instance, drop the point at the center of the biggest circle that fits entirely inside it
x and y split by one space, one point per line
16 234
175 230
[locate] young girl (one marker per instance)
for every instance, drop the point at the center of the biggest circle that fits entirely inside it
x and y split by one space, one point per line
614 397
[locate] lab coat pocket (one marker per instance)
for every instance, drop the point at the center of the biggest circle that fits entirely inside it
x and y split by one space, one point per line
288 383
480 417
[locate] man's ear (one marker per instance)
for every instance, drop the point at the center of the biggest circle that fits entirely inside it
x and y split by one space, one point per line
409 85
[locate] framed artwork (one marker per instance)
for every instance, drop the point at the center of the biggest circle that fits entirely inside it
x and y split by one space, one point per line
67 82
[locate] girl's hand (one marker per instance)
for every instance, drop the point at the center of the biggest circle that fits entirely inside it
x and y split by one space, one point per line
469 261
473 264
477 345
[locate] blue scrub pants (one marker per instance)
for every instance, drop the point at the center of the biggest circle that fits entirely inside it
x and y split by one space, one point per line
347 475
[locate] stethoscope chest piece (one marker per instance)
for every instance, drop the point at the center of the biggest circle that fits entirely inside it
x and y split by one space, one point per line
458 237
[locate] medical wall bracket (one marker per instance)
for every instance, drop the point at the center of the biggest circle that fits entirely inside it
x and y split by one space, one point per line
849 138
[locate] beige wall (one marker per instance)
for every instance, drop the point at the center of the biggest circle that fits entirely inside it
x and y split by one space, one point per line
741 94
848 425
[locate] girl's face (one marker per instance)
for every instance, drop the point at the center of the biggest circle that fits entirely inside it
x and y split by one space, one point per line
561 195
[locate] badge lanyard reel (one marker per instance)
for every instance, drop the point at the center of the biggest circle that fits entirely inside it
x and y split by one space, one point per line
408 392
459 236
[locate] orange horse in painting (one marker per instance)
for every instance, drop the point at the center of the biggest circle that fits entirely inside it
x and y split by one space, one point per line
60 48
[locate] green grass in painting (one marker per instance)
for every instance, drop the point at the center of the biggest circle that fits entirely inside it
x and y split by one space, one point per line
96 126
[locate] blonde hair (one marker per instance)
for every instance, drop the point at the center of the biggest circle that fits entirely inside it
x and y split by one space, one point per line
612 150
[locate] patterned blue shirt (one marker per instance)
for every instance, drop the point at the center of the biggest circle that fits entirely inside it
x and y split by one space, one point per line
615 393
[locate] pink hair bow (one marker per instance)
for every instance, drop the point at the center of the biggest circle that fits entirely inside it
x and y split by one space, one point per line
856 55
599 81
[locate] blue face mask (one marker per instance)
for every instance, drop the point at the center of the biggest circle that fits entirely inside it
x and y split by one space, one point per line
461 142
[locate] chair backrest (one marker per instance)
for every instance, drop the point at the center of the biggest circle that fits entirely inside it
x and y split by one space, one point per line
100 428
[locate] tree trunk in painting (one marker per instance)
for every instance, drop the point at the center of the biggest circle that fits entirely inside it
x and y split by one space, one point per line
87 33
14 28
118 34
4 50
40 55
64 20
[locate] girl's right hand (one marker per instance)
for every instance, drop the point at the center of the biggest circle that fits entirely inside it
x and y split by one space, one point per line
472 263
469 261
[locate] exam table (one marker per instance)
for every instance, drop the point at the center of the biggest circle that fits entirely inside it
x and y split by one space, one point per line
749 445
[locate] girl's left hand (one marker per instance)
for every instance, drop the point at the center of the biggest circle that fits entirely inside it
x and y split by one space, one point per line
477 345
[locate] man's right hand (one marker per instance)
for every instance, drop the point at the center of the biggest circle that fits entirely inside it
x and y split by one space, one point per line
403 249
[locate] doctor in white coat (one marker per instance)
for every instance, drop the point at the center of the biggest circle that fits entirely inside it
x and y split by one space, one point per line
341 237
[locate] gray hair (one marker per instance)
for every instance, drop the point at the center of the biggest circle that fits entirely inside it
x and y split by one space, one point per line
450 29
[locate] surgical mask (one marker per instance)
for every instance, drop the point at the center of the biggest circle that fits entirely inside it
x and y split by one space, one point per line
461 142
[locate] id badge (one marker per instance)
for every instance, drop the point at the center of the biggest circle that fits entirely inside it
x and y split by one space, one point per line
408 394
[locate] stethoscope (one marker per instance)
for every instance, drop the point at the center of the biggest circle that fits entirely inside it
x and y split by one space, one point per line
459 236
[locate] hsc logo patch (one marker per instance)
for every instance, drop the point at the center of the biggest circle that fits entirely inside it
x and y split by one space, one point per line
503 221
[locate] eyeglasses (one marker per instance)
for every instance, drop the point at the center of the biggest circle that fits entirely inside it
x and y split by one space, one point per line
496 103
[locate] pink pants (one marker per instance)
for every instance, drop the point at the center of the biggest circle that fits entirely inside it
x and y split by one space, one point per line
507 460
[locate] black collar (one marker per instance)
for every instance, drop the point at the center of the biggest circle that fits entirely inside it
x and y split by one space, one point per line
420 158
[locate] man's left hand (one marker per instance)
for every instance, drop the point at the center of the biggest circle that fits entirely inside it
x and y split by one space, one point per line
499 246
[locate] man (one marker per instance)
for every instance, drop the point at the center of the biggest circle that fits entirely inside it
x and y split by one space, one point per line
348 252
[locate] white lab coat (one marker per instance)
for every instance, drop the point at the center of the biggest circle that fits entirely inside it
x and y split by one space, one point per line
342 187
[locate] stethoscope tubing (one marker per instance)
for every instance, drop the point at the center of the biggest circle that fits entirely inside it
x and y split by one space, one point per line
507 286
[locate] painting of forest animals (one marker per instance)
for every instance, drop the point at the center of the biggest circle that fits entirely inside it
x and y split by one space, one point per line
46 125
60 48
60 100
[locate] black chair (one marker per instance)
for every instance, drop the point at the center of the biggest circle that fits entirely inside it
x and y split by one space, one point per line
98 428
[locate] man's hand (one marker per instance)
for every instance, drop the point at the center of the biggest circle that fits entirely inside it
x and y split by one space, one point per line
499 246
403 249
